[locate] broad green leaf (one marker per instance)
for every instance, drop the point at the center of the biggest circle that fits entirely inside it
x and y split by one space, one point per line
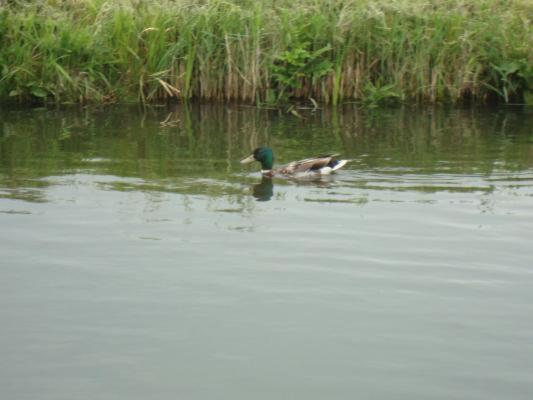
38 92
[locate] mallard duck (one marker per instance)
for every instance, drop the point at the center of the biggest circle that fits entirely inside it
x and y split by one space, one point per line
322 165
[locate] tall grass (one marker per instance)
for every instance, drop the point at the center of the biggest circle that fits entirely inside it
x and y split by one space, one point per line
373 51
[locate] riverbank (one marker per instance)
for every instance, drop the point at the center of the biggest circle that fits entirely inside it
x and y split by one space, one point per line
374 52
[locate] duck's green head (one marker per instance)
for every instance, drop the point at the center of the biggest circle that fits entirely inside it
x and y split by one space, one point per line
262 154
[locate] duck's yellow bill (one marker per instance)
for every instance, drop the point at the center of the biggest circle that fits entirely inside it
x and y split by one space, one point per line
248 159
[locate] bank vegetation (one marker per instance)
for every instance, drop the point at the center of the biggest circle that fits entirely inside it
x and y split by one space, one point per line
266 52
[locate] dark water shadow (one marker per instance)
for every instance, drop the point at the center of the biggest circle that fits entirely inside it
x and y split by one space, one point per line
264 190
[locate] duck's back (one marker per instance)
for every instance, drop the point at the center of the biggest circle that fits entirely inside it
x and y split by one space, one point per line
309 164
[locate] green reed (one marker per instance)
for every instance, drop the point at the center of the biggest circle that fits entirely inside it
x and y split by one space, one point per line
79 51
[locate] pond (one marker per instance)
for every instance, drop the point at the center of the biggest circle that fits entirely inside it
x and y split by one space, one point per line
140 259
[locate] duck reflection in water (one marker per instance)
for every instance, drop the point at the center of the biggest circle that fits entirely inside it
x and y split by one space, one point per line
264 190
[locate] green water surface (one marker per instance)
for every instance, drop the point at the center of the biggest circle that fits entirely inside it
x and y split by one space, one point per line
140 260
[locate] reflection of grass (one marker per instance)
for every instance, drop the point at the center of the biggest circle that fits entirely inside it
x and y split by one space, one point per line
208 142
25 194
222 196
18 188
188 187
259 51
431 189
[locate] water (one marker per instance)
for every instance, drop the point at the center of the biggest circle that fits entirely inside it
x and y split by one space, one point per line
140 260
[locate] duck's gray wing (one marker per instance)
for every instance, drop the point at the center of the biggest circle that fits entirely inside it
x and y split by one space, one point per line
308 164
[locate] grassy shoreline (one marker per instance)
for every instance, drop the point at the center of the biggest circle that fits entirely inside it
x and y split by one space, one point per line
271 51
